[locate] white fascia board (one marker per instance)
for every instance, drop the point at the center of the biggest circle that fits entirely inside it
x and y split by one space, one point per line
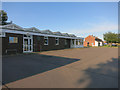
77 38
38 34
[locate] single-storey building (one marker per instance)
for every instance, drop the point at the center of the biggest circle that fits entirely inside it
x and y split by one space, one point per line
92 41
16 39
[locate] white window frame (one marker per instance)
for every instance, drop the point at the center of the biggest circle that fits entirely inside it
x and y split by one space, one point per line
81 42
45 38
66 42
56 38
77 42
73 43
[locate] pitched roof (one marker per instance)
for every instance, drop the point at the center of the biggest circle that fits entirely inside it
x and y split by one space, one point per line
65 34
46 32
32 29
35 30
96 38
12 26
57 33
72 35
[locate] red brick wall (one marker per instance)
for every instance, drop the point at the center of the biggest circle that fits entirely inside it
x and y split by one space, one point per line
90 39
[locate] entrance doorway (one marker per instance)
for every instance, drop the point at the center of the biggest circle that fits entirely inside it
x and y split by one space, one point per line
98 43
88 44
27 43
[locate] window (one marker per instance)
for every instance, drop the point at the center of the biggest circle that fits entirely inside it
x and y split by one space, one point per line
81 41
65 42
72 42
57 41
13 39
76 42
45 40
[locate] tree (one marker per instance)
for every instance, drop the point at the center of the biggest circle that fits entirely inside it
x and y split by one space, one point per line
3 17
110 37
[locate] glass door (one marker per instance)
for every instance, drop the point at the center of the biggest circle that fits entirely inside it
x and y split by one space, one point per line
30 46
27 44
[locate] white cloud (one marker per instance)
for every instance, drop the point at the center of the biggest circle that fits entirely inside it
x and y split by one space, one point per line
103 27
96 29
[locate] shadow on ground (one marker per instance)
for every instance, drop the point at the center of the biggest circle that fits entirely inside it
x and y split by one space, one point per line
105 75
19 67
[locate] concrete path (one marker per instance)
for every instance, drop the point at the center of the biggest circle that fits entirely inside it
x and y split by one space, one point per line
92 68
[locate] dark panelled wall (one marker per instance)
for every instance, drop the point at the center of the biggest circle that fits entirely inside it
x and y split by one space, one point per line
38 44
12 46
68 43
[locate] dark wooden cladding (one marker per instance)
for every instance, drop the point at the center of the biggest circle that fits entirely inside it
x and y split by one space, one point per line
16 47
38 44
68 43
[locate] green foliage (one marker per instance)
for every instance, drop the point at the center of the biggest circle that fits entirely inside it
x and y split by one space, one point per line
111 37
3 17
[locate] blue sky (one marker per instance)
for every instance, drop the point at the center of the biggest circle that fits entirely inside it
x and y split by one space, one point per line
79 18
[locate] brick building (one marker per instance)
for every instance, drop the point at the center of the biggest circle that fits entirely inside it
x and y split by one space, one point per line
92 41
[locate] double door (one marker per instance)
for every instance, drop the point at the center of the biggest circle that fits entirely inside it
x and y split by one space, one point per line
28 44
